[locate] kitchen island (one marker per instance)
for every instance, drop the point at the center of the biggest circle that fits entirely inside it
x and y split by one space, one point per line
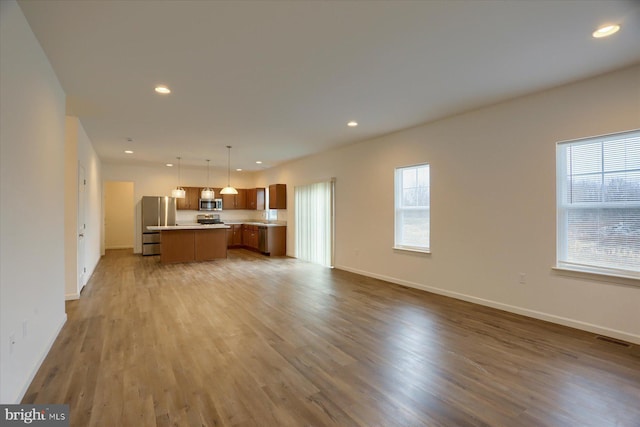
194 242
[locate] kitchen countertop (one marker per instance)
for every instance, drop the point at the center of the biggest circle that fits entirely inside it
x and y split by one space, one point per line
186 227
263 224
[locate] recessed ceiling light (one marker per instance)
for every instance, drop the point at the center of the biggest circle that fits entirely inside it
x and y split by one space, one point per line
128 151
606 31
169 164
163 89
352 124
238 170
258 162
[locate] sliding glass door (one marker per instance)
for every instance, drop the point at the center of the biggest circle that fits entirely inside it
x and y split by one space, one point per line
314 222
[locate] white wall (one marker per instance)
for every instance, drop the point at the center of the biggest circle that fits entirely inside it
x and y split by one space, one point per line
492 207
79 151
159 180
88 158
32 118
71 208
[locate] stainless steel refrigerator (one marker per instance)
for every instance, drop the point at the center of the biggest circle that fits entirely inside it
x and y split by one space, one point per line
156 210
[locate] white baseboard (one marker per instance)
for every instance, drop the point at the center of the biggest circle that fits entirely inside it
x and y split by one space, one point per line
119 247
44 353
565 321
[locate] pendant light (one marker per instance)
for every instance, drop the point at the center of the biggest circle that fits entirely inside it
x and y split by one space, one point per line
207 193
229 189
178 192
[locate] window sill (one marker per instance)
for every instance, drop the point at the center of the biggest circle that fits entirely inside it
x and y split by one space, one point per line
598 276
414 250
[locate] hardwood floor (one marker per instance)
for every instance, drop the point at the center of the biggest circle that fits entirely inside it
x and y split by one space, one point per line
256 341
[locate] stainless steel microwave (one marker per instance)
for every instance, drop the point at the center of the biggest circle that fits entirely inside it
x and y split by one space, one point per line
211 205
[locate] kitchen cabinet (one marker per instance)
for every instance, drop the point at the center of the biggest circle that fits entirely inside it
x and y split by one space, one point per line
255 199
266 239
177 246
250 236
235 201
210 244
276 244
192 245
234 235
191 201
278 196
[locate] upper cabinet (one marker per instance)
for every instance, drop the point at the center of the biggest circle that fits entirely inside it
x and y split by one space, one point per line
235 201
191 201
252 198
278 196
255 199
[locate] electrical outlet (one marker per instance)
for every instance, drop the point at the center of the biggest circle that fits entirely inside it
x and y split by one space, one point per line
523 278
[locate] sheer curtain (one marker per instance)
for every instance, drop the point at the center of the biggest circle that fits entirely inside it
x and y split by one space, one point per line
314 222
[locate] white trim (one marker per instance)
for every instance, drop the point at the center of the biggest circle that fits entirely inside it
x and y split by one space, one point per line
411 249
44 354
603 137
597 275
565 321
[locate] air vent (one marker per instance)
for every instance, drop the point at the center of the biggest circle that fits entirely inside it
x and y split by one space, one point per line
613 341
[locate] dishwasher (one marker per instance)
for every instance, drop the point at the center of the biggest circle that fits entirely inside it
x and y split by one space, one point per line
262 239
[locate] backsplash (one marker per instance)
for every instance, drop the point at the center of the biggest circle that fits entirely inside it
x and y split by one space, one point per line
189 217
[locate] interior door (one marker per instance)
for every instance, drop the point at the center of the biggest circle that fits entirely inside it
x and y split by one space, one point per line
82 227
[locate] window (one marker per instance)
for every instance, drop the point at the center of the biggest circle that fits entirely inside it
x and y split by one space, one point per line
598 201
314 222
412 214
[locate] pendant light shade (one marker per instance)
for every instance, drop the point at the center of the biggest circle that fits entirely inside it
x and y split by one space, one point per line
229 189
207 193
178 192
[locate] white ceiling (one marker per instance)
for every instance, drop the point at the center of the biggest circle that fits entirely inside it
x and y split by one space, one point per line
279 80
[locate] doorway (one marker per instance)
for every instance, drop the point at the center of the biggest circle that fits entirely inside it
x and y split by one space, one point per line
118 215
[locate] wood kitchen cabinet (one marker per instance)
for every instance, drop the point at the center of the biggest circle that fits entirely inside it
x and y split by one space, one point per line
234 235
235 201
250 236
192 245
255 199
191 201
177 246
277 241
278 196
268 240
209 244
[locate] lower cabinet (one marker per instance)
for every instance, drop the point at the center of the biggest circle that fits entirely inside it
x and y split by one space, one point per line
266 240
276 244
177 246
234 235
250 236
210 244
193 245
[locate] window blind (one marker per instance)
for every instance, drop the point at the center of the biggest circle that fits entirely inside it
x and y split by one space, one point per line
314 222
599 204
